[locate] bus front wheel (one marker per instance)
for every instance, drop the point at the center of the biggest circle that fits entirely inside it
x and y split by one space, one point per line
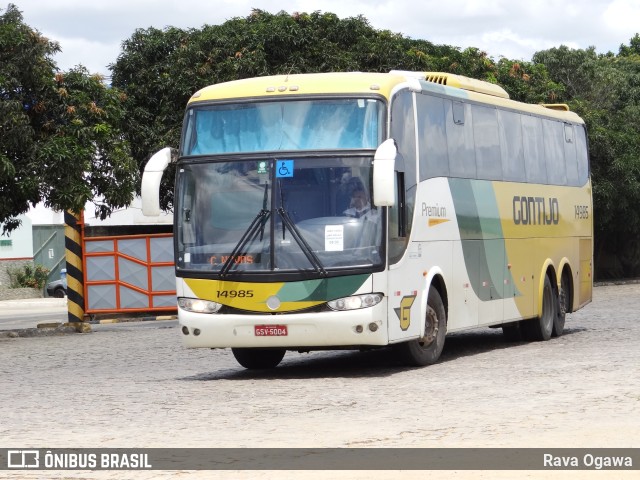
258 358
426 350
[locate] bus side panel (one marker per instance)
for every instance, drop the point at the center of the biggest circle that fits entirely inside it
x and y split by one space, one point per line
463 302
409 286
492 284
541 223
585 274
437 233
520 260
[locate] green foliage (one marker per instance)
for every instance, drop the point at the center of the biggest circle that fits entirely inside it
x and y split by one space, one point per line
28 276
61 139
633 48
160 69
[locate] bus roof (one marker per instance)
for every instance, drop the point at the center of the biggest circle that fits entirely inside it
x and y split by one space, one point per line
353 83
302 84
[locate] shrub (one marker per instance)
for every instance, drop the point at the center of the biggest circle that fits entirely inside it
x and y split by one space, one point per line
28 276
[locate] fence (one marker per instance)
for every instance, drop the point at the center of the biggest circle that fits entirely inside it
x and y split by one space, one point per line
129 273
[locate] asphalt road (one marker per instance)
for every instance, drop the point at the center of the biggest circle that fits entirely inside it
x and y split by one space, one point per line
134 385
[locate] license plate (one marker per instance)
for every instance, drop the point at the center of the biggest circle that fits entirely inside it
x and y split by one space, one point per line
271 331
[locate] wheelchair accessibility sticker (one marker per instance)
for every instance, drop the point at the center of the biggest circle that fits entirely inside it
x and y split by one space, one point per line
284 168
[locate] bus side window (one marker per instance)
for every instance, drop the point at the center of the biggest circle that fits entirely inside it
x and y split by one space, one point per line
432 137
487 143
397 234
462 156
533 143
554 140
513 168
582 153
403 130
570 156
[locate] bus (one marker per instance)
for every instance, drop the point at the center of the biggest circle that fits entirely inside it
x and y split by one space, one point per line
365 210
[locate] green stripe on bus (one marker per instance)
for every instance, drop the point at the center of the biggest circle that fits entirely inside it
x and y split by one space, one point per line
321 290
482 239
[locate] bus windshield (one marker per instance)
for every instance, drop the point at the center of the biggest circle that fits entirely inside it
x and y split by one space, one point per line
268 215
320 124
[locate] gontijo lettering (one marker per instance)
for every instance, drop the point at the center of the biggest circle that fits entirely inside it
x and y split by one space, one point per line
535 211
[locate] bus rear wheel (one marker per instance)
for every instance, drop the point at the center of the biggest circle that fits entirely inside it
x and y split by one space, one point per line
426 350
563 307
258 358
541 328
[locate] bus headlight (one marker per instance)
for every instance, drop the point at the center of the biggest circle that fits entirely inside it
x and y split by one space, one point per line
355 302
198 306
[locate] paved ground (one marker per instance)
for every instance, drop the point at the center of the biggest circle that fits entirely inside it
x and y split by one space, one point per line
134 385
27 313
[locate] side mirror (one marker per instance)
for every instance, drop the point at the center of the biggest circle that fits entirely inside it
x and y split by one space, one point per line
383 174
151 179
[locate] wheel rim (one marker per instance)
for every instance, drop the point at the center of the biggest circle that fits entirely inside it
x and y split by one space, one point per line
430 328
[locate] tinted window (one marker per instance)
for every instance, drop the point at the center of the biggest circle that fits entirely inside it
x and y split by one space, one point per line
462 157
582 154
533 149
511 144
403 131
570 157
432 140
554 140
487 142
286 125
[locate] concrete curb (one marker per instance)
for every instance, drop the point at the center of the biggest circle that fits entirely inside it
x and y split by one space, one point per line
60 329
106 321
609 283
55 328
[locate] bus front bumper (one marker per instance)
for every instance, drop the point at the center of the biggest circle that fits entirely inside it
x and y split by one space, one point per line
366 326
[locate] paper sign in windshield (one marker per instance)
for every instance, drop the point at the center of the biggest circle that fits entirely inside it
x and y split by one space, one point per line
334 238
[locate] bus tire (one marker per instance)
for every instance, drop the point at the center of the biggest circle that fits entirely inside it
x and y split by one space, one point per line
258 358
426 350
541 328
563 306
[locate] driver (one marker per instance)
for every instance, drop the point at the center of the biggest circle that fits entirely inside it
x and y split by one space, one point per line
359 205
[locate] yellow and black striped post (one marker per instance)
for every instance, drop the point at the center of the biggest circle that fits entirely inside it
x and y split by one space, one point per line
73 224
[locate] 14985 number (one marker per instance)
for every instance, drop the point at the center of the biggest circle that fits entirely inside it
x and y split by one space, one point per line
582 212
235 293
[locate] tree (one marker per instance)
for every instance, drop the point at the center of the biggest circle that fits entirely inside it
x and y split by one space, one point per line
61 140
633 48
160 69
528 82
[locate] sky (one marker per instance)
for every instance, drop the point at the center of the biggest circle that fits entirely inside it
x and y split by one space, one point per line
90 32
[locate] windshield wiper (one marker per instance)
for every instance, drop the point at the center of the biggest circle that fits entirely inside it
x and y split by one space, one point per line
304 246
250 233
257 226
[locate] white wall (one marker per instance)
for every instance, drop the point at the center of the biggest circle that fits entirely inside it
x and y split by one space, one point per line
127 216
19 243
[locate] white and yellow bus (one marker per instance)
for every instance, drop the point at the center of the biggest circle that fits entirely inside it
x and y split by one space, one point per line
361 210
